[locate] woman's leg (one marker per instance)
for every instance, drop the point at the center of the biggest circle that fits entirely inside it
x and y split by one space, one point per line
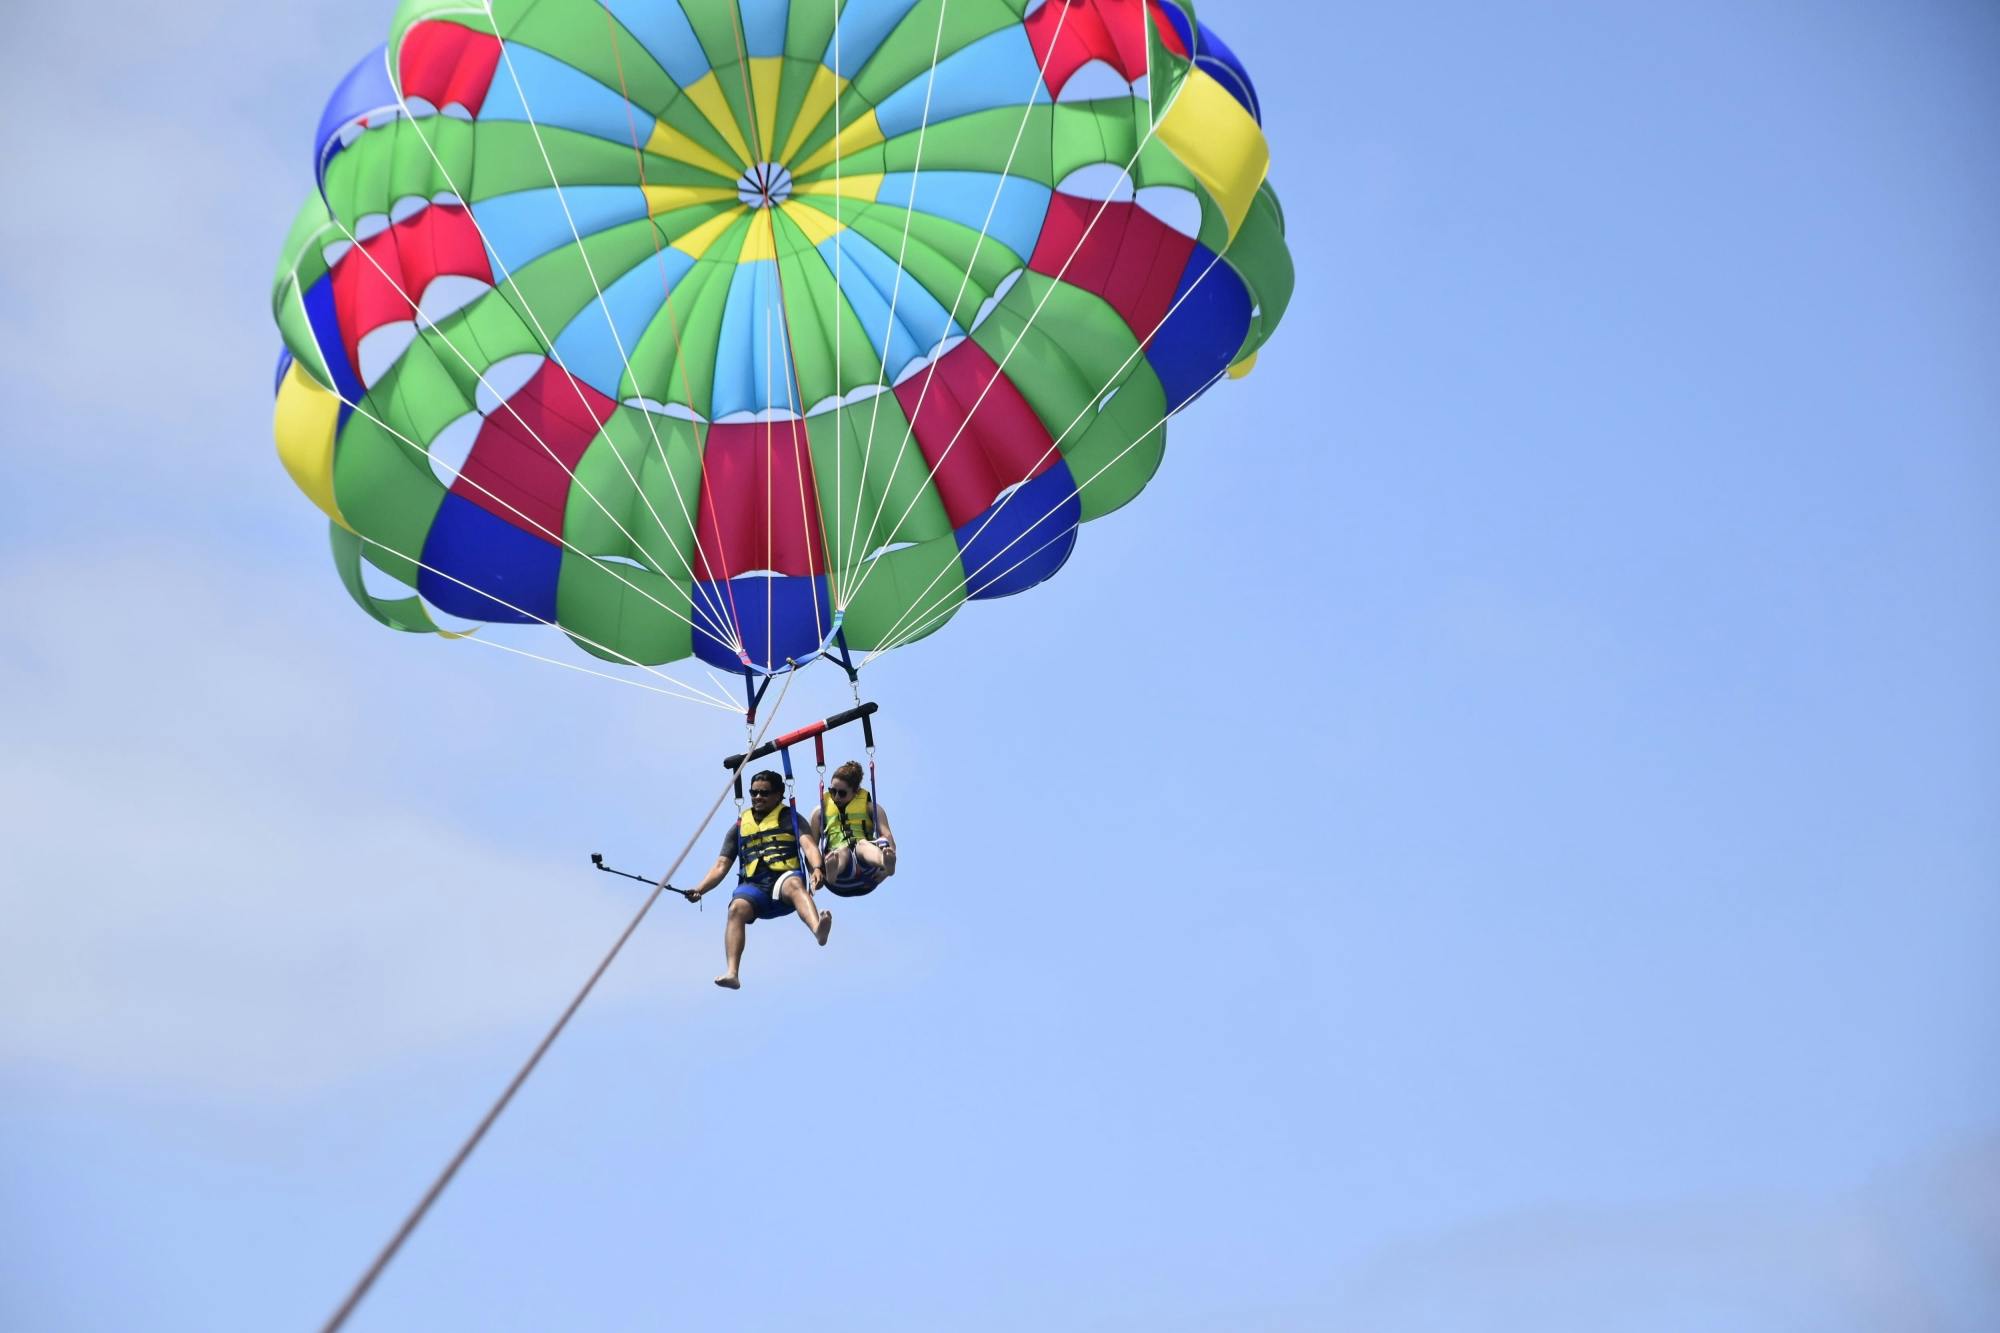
875 860
838 861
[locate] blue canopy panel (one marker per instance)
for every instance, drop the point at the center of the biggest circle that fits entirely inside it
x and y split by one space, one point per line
993 71
1023 538
323 317
763 26
1209 320
666 35
365 92
863 26
524 225
469 546
779 617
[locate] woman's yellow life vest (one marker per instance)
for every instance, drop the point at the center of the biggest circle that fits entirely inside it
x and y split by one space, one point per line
767 848
854 824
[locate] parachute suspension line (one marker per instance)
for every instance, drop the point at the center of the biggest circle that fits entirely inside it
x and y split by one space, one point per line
734 636
718 624
802 459
903 251
944 608
410 1223
692 694
836 574
794 382
770 537
735 639
1001 369
442 337
858 551
724 705
702 428
717 680
1116 380
413 445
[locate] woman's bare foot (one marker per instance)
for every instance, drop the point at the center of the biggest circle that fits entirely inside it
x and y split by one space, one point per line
728 980
825 927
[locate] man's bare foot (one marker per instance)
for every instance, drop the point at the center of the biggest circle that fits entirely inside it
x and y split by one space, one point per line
825 927
728 981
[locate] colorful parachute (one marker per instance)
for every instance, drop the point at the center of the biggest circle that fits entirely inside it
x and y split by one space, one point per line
717 327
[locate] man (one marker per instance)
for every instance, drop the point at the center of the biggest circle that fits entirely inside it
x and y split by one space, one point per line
853 836
766 845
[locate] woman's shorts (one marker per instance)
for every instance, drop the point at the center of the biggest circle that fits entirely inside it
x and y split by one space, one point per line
767 903
860 879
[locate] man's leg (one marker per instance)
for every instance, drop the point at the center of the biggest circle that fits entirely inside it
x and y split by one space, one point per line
740 916
818 922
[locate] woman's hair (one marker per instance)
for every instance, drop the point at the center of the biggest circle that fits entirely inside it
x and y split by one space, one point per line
850 771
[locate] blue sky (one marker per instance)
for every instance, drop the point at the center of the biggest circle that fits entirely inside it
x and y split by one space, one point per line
1498 837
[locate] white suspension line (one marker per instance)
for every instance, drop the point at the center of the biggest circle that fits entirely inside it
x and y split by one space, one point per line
693 697
1000 370
693 693
857 551
770 537
617 341
701 428
903 251
716 681
1089 409
800 439
836 574
782 328
431 327
567 545
940 611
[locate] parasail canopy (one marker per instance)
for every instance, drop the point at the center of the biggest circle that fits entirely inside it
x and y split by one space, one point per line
716 328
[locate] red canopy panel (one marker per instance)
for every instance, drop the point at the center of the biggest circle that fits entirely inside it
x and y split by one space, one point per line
1005 443
759 508
528 449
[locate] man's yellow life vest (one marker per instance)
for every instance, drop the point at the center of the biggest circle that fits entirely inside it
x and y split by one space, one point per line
767 848
854 824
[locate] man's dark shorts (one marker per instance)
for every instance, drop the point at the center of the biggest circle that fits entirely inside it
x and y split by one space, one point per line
765 902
